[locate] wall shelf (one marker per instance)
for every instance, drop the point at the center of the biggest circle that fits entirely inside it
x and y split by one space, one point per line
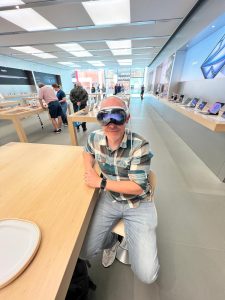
214 123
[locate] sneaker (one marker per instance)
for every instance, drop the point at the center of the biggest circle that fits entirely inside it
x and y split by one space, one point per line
84 129
109 255
58 130
65 124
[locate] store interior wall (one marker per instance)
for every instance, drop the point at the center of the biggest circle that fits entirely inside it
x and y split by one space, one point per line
9 62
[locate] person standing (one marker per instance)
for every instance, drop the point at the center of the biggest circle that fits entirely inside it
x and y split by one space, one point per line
124 160
142 91
79 98
62 100
47 94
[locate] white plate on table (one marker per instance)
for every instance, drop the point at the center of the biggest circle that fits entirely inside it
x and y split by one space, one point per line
19 242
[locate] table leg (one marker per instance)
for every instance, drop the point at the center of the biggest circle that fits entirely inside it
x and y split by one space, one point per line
19 129
73 133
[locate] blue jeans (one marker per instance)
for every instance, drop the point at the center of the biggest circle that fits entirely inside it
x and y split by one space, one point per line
140 225
64 109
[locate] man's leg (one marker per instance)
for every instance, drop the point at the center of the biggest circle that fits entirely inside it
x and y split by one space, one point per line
99 235
54 123
140 225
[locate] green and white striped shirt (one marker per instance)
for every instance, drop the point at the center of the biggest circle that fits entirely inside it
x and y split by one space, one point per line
131 161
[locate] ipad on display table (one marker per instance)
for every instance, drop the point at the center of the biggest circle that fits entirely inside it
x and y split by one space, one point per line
193 102
214 108
202 105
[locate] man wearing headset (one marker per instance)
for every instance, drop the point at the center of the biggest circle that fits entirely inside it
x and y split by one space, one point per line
124 160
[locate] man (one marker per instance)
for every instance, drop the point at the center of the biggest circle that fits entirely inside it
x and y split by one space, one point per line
62 100
79 98
124 160
46 93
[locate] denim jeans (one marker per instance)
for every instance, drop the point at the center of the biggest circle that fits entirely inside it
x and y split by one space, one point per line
140 225
64 109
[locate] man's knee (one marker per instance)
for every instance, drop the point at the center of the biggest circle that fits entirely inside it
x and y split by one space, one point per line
147 274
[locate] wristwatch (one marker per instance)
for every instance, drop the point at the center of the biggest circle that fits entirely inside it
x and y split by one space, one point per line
103 183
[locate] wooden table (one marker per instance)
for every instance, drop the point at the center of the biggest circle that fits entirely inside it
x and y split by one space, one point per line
16 115
44 184
9 103
79 117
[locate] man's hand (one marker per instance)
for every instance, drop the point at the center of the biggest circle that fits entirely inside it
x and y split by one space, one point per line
92 179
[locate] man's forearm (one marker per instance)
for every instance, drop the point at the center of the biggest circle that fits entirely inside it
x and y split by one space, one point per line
124 187
89 161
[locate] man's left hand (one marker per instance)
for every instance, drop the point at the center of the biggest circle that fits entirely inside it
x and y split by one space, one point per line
92 179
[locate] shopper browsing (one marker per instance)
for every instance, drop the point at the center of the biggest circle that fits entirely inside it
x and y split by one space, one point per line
62 100
47 94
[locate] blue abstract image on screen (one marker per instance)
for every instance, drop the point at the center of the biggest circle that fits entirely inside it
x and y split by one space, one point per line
215 61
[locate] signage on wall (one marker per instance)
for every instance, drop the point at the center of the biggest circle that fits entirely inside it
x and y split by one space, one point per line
11 76
215 61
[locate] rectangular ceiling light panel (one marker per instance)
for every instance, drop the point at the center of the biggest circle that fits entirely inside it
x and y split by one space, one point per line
120 47
75 49
4 3
96 63
67 63
33 51
108 12
27 18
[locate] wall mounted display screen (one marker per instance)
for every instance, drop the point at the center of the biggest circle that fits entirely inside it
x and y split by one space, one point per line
11 76
215 61
47 79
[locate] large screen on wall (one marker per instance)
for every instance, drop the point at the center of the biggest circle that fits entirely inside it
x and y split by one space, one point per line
47 79
215 61
11 76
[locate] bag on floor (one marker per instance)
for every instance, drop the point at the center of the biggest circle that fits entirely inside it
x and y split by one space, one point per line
80 282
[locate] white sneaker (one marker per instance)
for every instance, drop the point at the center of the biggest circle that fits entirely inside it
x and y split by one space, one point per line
109 255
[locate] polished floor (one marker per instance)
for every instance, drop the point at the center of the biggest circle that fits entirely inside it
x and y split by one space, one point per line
190 202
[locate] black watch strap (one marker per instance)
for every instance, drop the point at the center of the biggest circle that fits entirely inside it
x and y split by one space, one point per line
103 183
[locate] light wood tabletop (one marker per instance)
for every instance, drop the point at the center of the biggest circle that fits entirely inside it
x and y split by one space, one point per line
16 114
80 116
44 184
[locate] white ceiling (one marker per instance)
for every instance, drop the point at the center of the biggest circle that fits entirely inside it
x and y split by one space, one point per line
153 22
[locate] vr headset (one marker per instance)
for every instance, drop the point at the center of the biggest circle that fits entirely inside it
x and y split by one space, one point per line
116 115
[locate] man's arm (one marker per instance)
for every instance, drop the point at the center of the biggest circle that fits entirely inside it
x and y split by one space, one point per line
92 179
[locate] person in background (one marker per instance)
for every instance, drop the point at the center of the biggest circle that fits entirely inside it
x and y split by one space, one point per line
62 100
47 94
116 89
142 91
124 160
79 98
103 91
92 89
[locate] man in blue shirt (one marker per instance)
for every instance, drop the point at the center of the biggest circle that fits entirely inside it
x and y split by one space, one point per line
62 100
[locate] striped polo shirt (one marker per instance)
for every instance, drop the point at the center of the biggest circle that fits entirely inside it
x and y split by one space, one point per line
131 161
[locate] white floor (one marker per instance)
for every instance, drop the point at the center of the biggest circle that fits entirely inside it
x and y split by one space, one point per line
191 209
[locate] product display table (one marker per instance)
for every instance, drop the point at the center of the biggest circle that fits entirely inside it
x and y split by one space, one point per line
214 123
80 116
44 184
18 113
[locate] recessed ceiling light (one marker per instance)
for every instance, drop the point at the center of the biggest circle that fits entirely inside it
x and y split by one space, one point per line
27 49
11 3
33 51
45 55
120 47
115 11
69 64
81 53
96 63
125 62
27 18
75 49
